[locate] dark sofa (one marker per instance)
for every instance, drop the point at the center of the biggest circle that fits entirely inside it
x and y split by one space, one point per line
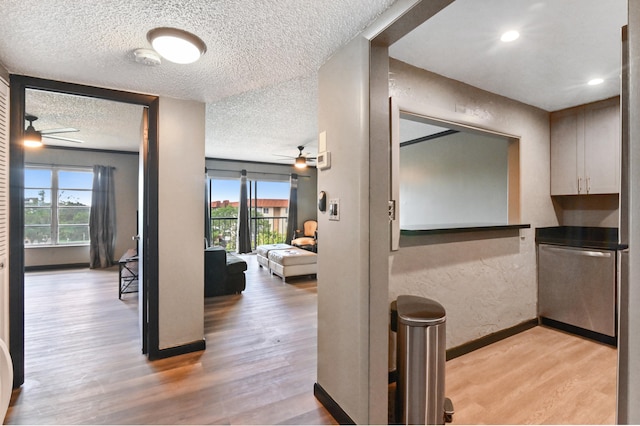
223 272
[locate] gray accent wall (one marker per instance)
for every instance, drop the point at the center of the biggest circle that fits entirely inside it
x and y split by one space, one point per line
460 178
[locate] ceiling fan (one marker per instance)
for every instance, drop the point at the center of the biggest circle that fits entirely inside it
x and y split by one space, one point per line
301 159
33 137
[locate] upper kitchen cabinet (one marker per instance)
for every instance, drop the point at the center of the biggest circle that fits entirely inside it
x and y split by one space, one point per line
585 149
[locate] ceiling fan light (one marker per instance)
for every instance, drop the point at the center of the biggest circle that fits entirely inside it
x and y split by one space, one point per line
510 36
32 137
301 163
176 45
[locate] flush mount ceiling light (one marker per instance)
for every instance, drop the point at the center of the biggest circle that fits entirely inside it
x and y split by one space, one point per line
32 137
176 45
595 81
510 36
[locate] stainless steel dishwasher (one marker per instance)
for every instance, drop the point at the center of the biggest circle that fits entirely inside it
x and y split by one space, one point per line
577 286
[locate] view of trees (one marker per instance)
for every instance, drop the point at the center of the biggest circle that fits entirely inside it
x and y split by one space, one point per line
224 226
71 218
57 205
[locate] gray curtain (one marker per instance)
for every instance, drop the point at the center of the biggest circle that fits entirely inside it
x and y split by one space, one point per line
292 215
207 211
102 218
244 236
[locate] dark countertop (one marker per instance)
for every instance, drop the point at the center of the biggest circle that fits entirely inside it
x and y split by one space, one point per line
580 236
458 228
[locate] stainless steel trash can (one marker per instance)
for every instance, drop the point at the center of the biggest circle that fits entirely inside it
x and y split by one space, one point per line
421 362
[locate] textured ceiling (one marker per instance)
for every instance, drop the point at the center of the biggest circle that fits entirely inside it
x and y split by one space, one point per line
259 75
101 124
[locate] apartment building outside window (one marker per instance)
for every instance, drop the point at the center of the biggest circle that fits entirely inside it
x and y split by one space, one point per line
268 208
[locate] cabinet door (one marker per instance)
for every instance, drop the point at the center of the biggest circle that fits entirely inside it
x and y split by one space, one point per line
566 127
602 147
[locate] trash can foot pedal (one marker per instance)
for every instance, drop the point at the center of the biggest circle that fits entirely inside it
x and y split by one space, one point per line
448 410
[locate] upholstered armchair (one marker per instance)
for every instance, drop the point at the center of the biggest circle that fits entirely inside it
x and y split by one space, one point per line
307 238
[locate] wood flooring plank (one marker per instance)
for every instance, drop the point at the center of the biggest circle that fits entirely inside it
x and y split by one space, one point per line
540 376
83 362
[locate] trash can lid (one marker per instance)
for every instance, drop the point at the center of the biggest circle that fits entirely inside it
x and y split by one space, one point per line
419 311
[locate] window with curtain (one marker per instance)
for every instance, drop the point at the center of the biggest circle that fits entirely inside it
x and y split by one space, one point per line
268 209
57 202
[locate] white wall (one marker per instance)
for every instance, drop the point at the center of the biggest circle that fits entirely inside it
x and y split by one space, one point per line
181 222
343 280
126 187
486 281
460 178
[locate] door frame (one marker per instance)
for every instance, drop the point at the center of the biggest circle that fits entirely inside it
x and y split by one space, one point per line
149 264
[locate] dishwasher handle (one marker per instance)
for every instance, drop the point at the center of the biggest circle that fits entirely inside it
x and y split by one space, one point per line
579 251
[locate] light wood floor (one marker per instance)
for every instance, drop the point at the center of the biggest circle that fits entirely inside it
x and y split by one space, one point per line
84 366
540 376
83 363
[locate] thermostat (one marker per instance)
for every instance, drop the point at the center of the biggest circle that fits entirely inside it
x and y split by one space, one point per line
324 160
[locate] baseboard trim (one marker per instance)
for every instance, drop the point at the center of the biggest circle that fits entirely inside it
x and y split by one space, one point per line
332 406
198 345
491 338
572 329
37 268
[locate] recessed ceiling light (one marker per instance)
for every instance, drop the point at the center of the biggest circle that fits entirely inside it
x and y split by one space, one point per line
595 81
176 45
510 36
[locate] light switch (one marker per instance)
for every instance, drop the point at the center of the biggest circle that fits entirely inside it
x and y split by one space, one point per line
334 209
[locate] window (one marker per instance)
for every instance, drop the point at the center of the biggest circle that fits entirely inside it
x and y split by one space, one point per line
454 176
224 195
57 204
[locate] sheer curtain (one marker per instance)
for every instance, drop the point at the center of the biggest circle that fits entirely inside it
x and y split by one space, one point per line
244 237
292 214
102 218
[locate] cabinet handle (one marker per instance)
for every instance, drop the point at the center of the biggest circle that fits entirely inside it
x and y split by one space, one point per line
579 185
588 185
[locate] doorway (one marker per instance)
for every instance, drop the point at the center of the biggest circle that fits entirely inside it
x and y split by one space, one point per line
147 216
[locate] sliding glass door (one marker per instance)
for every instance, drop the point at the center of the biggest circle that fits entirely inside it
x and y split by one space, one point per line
268 207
